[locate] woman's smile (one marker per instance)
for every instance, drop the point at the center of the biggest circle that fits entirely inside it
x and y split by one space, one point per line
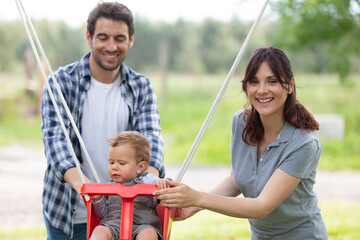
264 101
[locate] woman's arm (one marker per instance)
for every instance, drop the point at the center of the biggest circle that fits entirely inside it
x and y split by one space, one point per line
227 187
222 199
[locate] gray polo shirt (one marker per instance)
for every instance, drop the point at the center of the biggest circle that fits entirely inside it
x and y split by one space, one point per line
297 153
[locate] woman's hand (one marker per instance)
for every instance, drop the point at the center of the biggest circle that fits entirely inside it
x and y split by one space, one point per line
178 214
178 195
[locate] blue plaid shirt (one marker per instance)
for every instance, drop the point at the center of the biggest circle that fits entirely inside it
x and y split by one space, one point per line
59 198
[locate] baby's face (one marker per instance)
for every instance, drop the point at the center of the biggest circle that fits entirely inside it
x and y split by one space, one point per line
122 164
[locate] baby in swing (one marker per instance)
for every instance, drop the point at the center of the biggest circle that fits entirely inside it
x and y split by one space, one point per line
129 157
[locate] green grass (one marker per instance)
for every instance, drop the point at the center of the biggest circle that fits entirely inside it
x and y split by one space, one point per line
188 102
341 219
24 233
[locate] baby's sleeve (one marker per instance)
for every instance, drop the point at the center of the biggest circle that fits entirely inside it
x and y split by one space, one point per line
100 208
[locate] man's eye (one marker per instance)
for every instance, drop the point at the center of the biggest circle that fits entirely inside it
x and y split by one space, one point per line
121 39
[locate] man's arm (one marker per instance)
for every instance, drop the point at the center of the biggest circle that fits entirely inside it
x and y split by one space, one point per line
73 178
147 121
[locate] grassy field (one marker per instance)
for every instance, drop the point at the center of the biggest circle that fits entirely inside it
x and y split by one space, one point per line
341 219
188 101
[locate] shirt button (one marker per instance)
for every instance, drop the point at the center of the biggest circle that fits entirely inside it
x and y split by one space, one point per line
261 159
267 148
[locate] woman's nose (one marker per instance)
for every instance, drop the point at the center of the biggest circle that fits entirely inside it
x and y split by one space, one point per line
262 88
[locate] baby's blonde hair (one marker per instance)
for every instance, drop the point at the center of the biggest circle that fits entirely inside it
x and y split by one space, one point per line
137 141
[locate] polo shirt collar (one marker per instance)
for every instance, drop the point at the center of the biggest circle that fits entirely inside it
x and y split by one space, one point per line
284 135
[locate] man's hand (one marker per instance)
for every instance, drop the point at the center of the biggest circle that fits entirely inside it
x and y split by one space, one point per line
153 170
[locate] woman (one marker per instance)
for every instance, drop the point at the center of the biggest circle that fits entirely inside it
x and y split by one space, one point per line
274 151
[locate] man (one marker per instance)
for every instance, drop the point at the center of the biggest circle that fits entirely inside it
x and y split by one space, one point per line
105 97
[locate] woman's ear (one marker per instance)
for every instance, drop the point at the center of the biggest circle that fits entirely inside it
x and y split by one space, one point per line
291 86
141 167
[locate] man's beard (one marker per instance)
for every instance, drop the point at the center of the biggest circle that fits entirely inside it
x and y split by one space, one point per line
105 67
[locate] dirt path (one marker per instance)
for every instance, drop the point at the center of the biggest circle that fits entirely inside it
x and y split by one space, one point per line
22 170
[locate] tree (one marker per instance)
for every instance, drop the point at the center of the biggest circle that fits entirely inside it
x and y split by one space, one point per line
333 24
212 45
10 44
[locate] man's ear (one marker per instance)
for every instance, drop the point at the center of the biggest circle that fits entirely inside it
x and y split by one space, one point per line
88 38
141 167
131 41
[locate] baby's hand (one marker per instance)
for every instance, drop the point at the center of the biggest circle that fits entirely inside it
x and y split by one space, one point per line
96 198
162 183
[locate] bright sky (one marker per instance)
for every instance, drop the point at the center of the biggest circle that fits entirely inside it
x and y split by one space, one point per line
75 12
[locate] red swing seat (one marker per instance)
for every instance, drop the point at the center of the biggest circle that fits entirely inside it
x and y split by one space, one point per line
128 195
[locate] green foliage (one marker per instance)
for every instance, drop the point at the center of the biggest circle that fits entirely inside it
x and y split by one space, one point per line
333 24
314 41
11 44
18 120
61 43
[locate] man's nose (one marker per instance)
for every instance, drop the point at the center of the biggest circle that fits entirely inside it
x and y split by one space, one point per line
111 45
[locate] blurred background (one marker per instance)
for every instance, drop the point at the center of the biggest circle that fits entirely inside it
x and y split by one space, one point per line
186 48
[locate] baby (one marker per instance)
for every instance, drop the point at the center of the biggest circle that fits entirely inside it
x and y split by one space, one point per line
129 157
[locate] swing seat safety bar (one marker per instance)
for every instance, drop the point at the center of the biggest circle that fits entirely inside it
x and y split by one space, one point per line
128 195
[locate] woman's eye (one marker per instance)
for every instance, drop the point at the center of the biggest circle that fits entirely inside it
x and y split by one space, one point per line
253 81
273 81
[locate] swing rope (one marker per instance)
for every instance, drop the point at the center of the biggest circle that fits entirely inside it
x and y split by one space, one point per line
203 128
26 20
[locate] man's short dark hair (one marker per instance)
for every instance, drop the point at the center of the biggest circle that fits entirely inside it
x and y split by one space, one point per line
110 10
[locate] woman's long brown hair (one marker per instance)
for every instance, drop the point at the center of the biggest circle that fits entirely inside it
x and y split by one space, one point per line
294 112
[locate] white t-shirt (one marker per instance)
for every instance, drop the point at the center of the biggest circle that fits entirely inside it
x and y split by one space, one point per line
105 114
